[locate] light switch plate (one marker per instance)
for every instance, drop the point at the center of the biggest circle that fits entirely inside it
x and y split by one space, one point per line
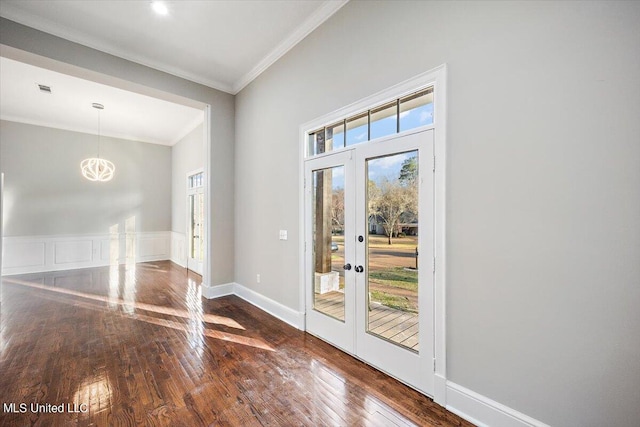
283 234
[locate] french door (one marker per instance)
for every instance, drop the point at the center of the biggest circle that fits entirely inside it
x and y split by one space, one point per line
369 254
195 222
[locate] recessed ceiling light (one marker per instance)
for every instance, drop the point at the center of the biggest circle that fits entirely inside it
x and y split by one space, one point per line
159 8
44 88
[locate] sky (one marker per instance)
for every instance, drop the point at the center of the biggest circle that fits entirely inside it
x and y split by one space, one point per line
420 116
389 166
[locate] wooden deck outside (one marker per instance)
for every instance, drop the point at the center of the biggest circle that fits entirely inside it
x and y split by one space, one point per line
395 325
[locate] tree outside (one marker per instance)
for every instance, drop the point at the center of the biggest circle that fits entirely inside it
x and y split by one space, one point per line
393 201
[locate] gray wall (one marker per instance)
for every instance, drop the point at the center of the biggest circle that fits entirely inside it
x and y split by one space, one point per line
543 238
186 156
543 181
46 193
221 125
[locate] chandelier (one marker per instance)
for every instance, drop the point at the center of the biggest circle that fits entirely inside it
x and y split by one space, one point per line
95 168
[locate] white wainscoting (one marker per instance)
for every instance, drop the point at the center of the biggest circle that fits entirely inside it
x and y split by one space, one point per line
179 249
35 254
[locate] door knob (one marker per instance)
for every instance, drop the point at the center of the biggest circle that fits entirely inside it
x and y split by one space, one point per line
347 267
359 269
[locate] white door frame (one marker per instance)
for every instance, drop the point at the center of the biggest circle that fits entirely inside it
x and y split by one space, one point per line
341 332
438 79
107 79
208 240
415 369
190 192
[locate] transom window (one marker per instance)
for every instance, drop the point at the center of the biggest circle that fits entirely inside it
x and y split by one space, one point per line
409 112
196 180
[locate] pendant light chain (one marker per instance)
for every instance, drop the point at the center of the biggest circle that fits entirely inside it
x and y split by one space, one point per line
97 169
98 133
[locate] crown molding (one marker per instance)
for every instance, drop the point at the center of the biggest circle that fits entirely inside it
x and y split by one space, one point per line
12 13
323 13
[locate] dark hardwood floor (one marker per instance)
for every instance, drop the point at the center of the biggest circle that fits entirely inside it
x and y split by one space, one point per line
111 347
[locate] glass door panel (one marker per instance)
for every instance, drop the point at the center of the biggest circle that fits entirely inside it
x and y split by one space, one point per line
394 279
201 217
392 249
368 270
328 241
196 214
195 222
329 254
193 235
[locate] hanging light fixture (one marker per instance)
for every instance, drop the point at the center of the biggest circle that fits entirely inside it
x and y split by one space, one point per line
95 168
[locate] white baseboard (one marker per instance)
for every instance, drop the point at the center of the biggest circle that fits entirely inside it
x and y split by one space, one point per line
218 291
37 254
274 308
440 390
34 254
485 412
471 406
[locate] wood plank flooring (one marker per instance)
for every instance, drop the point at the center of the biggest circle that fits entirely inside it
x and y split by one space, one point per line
117 347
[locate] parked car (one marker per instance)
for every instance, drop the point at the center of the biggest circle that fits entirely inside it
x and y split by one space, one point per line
334 247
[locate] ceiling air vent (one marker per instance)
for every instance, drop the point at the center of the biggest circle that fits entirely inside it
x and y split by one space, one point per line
44 88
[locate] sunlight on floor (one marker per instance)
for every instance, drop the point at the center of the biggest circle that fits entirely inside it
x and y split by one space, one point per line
195 329
93 395
209 318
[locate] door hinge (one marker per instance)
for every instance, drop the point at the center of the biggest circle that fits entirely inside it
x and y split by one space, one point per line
434 365
433 264
434 163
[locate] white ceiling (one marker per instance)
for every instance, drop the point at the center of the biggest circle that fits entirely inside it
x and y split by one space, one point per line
221 44
126 114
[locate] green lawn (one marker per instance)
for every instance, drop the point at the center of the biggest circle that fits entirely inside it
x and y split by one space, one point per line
386 277
397 277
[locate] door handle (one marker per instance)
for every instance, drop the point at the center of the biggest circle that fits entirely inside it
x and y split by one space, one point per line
359 269
347 267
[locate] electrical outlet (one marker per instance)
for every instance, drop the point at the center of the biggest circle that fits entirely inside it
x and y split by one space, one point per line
257 278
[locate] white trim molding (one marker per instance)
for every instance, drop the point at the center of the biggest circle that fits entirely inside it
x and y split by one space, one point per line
324 12
37 254
217 291
179 248
274 308
208 234
305 27
437 78
48 26
439 75
485 412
